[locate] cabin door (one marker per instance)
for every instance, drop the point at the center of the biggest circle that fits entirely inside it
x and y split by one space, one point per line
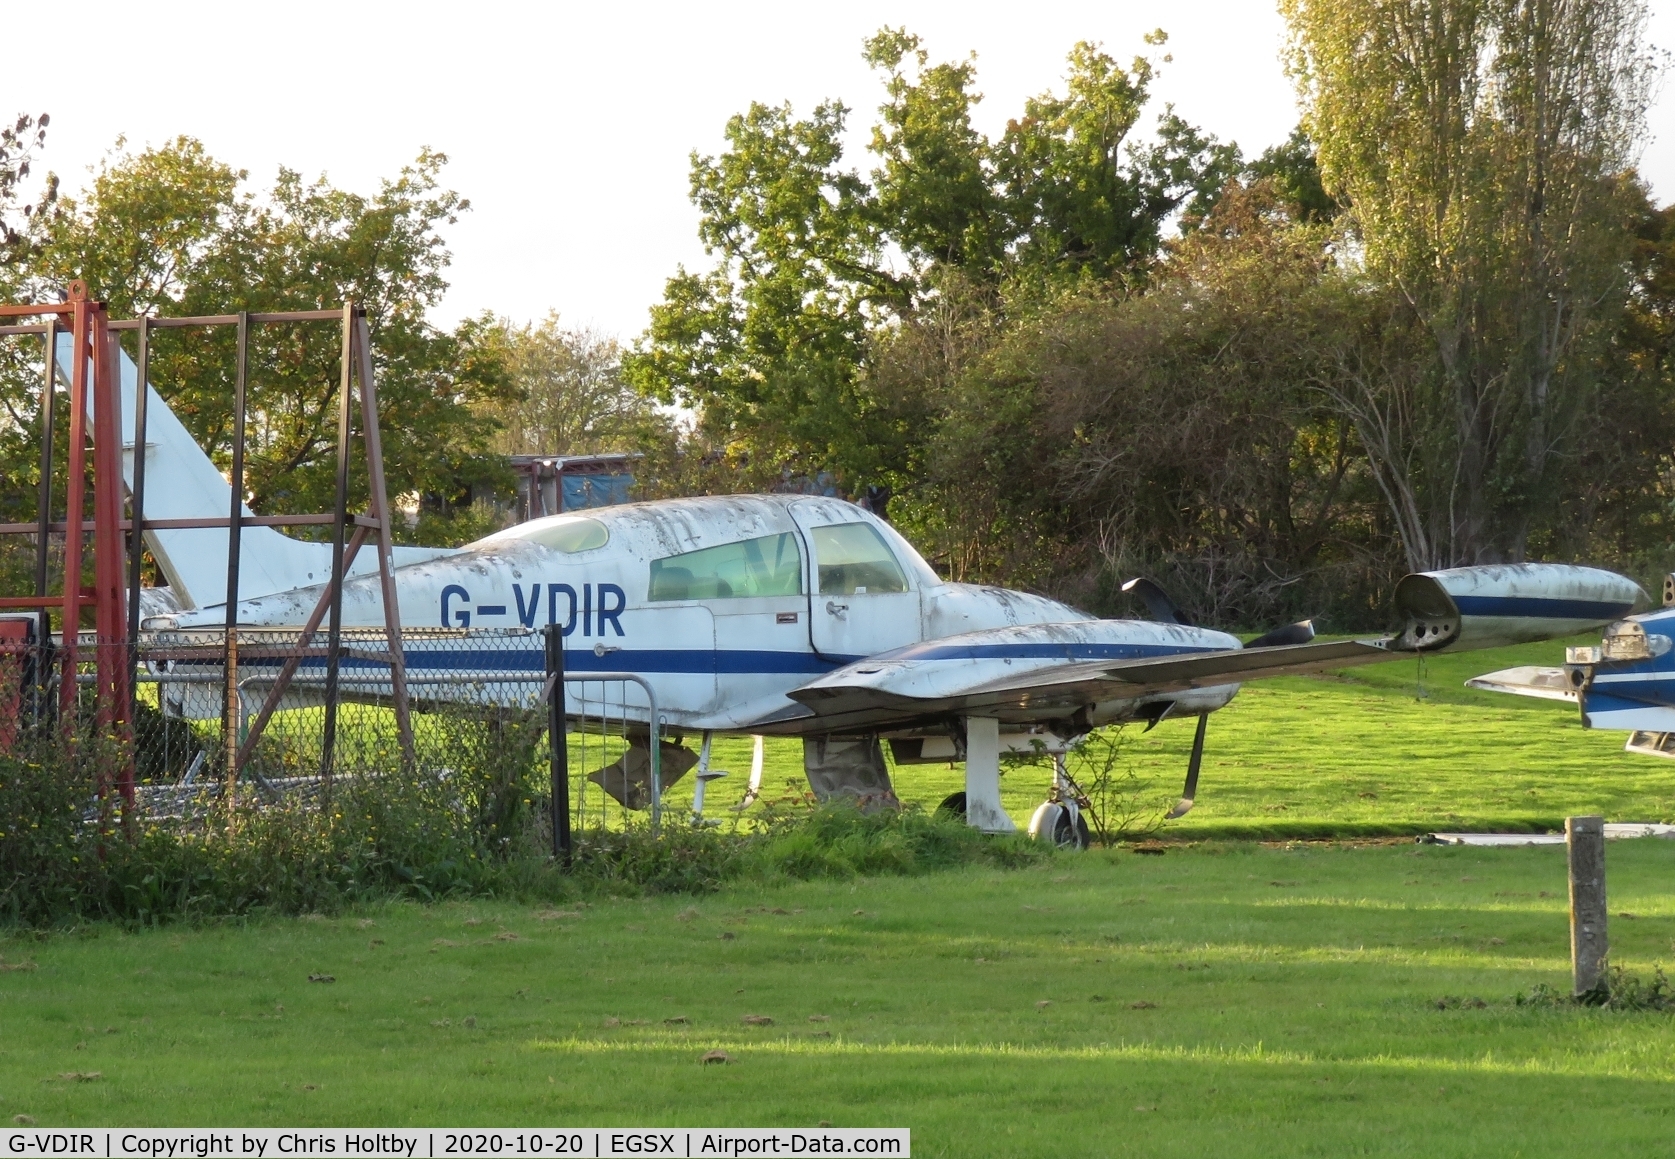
861 600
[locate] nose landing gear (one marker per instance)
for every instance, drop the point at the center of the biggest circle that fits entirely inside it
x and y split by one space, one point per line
1059 818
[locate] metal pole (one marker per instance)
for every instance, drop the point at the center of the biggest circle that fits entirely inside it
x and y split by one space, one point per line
1589 948
656 765
49 394
75 480
115 697
136 506
557 741
340 518
235 535
378 499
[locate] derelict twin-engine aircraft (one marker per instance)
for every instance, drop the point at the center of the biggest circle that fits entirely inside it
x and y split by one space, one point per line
811 617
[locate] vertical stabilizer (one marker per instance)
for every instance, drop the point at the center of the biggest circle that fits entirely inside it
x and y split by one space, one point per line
181 482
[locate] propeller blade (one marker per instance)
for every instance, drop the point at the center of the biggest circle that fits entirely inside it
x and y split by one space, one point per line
1192 766
1299 633
1158 604
1153 714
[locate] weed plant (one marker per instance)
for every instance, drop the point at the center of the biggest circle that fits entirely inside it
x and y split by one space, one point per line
1623 990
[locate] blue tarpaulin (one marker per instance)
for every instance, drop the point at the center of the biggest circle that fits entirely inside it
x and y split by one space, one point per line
581 491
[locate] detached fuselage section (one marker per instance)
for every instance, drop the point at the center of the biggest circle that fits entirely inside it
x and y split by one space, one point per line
1625 682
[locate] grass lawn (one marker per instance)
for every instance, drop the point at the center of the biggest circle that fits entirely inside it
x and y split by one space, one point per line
1223 998
1356 753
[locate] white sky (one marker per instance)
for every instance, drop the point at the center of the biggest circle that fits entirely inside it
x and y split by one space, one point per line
569 125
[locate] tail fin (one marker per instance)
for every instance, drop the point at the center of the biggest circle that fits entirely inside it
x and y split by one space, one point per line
181 482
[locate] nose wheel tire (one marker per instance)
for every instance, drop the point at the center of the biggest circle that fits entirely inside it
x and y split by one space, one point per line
1071 836
1061 823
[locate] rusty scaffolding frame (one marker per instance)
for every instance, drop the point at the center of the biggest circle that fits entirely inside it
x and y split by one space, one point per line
95 368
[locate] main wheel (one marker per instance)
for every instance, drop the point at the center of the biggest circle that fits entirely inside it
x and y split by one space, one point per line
953 804
1069 834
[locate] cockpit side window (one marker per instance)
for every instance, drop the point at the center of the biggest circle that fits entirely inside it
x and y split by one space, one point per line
854 560
769 566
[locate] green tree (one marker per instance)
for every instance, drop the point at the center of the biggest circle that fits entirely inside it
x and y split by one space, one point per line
1176 432
172 230
571 399
1293 172
814 260
766 345
19 142
1620 501
20 358
1483 149
1081 194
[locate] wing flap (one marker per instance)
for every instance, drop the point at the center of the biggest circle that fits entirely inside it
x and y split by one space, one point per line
1207 669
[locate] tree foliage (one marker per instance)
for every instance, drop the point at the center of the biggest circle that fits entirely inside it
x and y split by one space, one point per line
172 230
1176 431
569 395
1431 327
19 141
1483 147
814 258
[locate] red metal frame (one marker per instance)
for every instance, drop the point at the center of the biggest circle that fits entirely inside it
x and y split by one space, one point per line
93 373
96 368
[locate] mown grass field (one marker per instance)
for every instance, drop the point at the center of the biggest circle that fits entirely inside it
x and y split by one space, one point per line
1227 997
1355 753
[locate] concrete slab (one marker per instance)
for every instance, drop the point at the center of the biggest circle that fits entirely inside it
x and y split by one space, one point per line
1614 831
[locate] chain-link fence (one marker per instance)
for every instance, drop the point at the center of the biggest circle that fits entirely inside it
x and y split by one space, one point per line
263 719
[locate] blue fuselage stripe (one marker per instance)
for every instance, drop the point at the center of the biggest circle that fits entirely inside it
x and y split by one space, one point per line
724 661
1537 608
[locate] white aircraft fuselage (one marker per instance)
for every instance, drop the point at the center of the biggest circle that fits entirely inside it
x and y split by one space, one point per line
726 604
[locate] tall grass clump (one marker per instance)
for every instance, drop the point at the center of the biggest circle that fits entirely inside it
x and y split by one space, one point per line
839 840
50 853
68 853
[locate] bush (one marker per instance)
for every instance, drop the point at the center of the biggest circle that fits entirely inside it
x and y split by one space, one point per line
417 834
49 853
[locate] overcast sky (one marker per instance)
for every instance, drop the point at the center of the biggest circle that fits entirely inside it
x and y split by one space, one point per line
569 126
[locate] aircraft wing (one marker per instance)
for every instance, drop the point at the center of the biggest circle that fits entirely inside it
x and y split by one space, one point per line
885 690
1030 674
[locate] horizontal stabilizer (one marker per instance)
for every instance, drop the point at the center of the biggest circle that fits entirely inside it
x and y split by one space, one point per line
1528 680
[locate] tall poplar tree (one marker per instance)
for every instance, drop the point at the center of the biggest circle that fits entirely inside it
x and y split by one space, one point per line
1485 150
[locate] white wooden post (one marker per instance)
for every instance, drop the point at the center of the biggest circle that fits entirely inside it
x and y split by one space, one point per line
1589 948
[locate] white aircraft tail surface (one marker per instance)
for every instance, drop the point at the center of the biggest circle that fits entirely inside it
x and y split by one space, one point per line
181 482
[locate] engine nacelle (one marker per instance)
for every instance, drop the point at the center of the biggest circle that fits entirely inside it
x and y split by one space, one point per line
1487 607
